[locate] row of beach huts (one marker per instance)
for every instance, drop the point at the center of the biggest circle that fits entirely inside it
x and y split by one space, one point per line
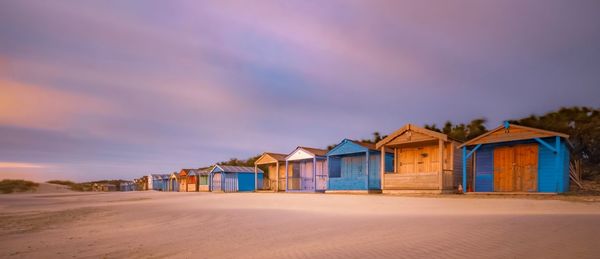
508 159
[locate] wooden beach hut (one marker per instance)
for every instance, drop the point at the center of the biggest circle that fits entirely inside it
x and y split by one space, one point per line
425 161
203 183
186 181
192 180
513 158
354 167
173 182
234 178
306 170
274 179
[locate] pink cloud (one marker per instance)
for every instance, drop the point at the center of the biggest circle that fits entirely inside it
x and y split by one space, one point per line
33 106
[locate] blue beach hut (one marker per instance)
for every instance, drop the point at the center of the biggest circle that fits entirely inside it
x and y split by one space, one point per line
158 182
513 158
355 167
234 178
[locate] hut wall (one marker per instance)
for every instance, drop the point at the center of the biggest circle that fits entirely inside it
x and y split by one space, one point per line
216 182
552 176
203 183
230 182
246 181
484 169
302 177
352 175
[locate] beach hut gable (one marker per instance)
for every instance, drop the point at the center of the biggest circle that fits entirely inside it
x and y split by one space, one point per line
269 158
347 147
411 133
511 132
300 154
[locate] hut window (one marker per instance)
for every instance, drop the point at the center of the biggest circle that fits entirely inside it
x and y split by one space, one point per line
335 167
203 179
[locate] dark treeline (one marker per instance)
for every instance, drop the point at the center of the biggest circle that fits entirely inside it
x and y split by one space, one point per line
582 124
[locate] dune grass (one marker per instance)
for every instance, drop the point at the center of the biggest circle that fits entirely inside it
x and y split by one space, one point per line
72 185
15 185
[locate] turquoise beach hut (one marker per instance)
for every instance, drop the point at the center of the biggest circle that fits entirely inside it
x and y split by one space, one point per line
224 178
355 167
513 158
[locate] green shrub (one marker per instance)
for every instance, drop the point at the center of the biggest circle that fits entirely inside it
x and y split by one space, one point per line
10 186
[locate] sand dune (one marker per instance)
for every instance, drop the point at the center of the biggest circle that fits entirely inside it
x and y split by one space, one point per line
248 225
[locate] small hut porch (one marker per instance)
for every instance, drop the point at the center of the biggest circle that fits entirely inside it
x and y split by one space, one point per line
306 170
274 178
425 161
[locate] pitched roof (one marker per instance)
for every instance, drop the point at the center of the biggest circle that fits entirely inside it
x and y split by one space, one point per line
269 158
411 127
315 151
277 156
512 132
236 169
364 144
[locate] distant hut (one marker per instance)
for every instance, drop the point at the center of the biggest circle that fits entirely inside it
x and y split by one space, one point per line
234 178
354 166
274 179
425 161
193 180
183 179
149 180
173 182
126 186
203 183
513 158
158 182
306 170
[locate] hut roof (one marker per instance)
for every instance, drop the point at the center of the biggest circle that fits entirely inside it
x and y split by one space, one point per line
234 169
413 128
204 171
512 132
268 158
315 151
366 145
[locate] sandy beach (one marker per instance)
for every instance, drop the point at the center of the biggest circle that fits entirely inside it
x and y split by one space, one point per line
258 225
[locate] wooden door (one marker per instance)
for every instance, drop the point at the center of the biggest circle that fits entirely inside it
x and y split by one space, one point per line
515 168
504 180
526 161
406 160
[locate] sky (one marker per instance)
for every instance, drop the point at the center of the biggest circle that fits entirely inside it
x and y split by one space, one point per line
117 89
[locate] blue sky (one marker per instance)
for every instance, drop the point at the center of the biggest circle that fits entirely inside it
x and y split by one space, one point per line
119 89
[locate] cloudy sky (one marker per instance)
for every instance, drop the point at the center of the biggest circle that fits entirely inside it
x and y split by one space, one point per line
119 89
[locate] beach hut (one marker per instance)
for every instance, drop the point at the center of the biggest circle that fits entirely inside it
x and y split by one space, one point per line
513 158
158 182
234 178
354 167
126 186
173 182
203 183
274 179
184 182
425 161
192 180
306 170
